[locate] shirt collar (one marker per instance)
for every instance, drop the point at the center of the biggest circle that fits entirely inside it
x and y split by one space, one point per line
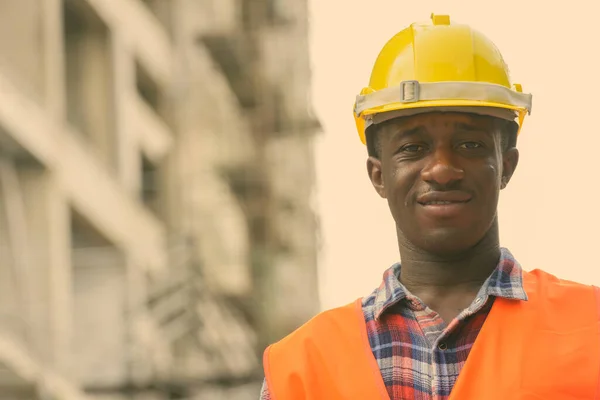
505 281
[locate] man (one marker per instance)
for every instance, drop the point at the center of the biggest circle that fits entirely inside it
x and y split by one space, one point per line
458 319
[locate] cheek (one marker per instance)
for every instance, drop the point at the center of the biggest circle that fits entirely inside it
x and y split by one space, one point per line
490 178
401 182
493 172
496 169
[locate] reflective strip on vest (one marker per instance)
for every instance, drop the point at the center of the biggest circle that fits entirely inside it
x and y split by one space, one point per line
553 343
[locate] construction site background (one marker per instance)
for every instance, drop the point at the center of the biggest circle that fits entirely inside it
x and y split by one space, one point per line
157 212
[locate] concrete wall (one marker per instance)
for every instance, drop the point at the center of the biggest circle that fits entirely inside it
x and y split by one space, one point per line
100 340
21 45
127 251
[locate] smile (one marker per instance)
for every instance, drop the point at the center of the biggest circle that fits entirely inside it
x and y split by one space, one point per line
444 197
440 202
444 209
447 204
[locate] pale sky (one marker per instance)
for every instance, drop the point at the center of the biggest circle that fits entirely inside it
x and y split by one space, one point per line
549 213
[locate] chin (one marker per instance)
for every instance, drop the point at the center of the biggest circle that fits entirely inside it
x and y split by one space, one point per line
447 242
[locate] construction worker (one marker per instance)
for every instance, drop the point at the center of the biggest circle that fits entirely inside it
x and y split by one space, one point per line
459 318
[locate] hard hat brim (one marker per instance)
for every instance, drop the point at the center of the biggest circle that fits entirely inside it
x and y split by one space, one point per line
430 96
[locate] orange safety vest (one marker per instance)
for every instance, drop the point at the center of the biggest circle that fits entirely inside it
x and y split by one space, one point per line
545 348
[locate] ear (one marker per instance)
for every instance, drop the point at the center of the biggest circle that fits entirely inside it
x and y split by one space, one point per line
510 159
376 175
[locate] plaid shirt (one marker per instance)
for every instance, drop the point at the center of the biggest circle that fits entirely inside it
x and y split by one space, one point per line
420 356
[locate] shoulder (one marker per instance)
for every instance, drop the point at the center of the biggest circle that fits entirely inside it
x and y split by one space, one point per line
326 333
562 297
326 322
327 336
551 285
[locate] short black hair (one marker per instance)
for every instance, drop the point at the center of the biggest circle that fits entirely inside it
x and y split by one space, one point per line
508 140
373 140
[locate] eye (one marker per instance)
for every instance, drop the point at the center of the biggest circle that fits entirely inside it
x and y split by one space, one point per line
470 145
412 148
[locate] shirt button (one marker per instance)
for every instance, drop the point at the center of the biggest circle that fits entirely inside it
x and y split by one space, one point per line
478 300
413 304
442 346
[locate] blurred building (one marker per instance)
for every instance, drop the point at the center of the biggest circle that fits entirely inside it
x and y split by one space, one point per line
157 226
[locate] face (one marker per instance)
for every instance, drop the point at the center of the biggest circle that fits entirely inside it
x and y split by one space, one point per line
441 174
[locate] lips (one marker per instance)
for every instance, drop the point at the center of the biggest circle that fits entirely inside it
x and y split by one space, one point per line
444 198
444 206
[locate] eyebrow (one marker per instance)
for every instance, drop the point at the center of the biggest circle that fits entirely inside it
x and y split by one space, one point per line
465 126
400 132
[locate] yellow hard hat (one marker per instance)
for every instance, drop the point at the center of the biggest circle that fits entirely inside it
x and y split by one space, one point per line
440 65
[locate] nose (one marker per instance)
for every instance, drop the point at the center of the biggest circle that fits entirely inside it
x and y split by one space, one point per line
442 169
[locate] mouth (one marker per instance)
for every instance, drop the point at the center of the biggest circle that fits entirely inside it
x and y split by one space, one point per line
441 203
444 204
444 198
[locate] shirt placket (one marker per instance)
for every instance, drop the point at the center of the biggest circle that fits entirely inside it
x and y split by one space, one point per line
443 347
439 350
432 326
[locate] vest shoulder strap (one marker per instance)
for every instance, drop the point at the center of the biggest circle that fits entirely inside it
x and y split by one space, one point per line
547 347
329 357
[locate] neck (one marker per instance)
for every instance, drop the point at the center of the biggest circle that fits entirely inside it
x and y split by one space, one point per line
462 271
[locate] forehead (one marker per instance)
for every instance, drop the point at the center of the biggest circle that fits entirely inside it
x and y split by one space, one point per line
441 122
